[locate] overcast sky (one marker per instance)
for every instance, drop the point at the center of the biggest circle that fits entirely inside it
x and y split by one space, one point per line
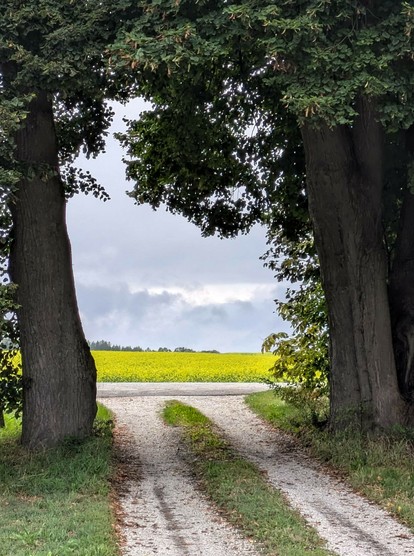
148 278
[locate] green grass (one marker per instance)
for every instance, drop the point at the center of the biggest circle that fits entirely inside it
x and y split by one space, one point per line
381 468
275 410
240 490
56 502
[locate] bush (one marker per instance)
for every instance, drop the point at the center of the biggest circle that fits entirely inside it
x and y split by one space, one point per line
301 360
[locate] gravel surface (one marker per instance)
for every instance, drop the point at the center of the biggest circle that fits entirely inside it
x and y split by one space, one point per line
166 515
127 389
164 512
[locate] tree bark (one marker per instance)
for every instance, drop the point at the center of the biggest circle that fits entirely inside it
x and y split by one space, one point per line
59 375
344 179
401 294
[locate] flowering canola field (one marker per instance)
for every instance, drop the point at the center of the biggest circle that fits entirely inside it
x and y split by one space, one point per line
122 366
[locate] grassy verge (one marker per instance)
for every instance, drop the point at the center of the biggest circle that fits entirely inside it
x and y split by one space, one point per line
240 490
56 503
380 468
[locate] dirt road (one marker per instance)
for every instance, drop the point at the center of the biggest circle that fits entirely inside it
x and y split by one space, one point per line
167 515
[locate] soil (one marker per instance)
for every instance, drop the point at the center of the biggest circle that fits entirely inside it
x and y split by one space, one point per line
163 512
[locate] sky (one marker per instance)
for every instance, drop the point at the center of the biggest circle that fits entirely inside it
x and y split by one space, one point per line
149 278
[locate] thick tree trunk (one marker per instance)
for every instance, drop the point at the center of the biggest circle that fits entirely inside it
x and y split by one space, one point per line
59 373
344 180
401 294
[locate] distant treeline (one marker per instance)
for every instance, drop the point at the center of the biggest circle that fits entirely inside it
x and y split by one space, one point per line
103 345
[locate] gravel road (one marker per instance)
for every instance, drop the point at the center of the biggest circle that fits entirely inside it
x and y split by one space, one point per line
165 514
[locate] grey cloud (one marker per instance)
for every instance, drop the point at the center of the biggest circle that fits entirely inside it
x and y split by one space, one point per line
219 314
166 319
100 301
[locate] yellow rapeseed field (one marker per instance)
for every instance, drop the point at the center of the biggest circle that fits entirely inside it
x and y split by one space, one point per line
122 366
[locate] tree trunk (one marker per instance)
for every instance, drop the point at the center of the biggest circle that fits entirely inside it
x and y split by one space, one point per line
2 421
59 375
344 179
401 294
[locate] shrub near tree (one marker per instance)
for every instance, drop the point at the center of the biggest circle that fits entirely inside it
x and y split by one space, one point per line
10 370
301 358
249 93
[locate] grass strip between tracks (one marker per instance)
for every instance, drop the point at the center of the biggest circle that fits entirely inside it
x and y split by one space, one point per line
240 490
57 502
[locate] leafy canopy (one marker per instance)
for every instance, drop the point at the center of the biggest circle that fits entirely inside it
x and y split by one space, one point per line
233 81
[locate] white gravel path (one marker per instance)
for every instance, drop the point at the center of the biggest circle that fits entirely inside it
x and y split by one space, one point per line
170 517
164 512
351 525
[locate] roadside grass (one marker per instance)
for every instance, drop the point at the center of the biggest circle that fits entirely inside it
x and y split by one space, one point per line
240 490
276 410
380 468
57 502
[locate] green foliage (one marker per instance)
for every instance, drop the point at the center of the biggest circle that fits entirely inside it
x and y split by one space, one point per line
231 81
312 404
104 345
302 358
10 384
10 367
57 48
77 181
201 169
211 148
